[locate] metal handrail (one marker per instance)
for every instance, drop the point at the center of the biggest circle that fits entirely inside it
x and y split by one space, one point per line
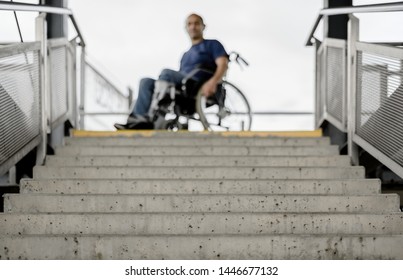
13 6
17 48
105 78
375 8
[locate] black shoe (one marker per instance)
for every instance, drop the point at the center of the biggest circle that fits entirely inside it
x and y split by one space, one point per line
135 122
119 126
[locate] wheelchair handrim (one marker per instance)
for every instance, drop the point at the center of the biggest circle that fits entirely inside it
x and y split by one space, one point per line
203 117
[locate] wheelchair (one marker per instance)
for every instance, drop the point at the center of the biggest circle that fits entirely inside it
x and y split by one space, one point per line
174 106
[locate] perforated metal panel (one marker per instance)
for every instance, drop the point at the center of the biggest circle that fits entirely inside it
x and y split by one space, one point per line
332 83
335 86
58 82
19 102
379 115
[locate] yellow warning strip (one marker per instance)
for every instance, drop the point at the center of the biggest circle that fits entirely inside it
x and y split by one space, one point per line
303 134
149 133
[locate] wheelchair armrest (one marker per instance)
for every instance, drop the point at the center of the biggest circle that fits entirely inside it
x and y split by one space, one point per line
193 73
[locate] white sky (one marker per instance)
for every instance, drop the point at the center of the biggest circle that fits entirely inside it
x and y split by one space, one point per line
132 39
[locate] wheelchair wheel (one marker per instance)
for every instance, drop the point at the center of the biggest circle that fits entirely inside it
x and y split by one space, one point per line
171 124
227 110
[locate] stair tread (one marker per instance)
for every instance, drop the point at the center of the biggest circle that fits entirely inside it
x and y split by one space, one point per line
289 246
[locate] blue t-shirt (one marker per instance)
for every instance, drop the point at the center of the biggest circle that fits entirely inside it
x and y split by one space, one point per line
202 55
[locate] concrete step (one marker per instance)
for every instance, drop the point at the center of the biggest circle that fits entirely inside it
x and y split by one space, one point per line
203 186
202 247
47 172
153 134
197 161
198 151
32 203
200 223
196 141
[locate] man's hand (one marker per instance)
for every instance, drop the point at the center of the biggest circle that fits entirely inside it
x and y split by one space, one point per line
209 88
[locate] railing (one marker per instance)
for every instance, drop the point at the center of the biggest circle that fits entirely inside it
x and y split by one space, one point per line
359 89
97 99
39 87
20 102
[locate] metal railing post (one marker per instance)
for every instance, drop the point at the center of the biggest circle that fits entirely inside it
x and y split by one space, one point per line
49 81
82 88
344 119
74 109
353 37
317 83
324 77
12 176
41 35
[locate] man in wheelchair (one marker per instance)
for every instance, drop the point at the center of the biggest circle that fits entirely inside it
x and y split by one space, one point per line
202 68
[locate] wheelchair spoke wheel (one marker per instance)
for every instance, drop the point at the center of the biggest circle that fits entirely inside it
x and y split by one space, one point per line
228 110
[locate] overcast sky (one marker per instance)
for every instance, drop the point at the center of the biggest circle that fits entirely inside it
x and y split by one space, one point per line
131 39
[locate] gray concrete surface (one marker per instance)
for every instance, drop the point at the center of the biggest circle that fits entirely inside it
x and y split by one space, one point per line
201 186
202 247
33 203
47 172
200 196
255 161
197 150
200 223
197 141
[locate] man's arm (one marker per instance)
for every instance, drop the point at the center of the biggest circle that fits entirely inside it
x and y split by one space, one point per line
210 87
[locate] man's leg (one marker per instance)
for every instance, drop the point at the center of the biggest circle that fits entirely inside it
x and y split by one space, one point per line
143 102
146 90
136 119
160 87
171 76
144 99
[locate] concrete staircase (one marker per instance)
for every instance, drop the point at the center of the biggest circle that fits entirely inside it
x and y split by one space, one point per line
200 196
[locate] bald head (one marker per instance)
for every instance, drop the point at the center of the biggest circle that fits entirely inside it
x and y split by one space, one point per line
195 27
196 16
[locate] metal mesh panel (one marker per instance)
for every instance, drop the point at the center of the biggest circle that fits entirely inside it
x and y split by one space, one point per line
335 87
58 82
379 119
19 102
